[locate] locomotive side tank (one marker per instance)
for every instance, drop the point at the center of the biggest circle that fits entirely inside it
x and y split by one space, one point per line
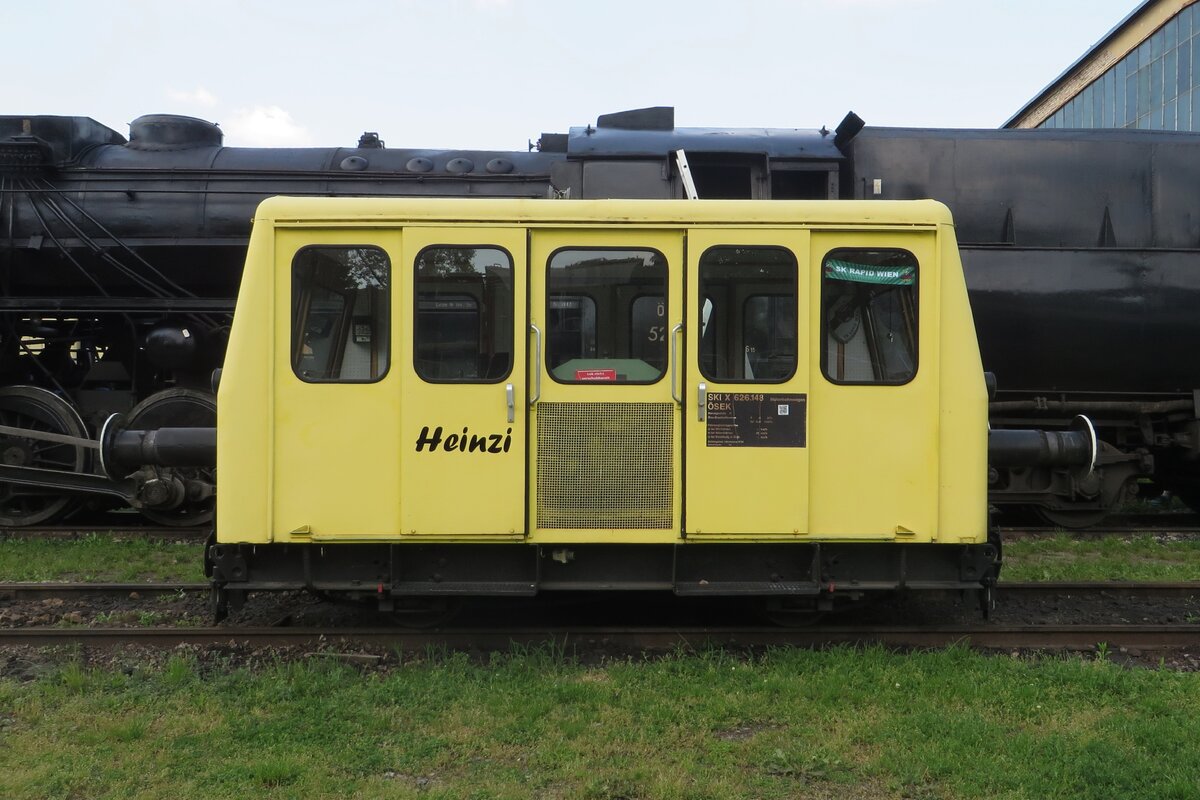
440 397
1082 254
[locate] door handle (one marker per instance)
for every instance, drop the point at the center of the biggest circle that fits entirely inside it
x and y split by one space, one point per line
701 400
537 363
509 399
674 361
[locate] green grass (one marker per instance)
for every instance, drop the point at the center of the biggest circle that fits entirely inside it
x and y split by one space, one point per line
1064 557
100 557
837 723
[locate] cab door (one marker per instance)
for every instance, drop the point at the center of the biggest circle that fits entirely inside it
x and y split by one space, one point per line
746 402
875 467
334 467
461 366
606 319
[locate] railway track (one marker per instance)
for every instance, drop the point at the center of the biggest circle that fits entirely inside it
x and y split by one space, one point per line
43 591
1176 523
1040 637
69 532
1082 636
1144 589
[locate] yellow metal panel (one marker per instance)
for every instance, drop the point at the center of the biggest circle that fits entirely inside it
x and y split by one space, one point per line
611 214
962 446
874 449
448 490
337 465
745 489
244 401
338 461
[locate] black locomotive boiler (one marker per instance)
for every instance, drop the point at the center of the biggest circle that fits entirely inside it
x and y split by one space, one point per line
121 260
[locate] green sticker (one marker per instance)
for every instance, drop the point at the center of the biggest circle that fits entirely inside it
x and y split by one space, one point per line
863 273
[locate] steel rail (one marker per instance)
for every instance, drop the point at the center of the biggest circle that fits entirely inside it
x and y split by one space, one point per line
31 590
1038 637
40 591
1130 522
1124 588
194 534
1017 533
1182 524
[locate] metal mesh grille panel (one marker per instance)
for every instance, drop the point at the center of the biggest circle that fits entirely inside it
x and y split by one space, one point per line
605 465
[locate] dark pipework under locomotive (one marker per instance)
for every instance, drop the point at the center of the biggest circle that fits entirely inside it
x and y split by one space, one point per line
122 258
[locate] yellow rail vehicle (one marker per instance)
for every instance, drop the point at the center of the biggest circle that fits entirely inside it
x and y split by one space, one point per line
428 397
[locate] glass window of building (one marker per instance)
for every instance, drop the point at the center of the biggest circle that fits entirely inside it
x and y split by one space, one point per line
1154 87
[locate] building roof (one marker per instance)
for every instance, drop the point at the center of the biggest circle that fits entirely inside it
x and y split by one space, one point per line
1112 47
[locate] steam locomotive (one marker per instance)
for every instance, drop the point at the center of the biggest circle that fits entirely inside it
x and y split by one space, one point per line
122 258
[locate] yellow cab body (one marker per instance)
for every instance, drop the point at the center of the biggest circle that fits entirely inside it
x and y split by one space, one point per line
609 371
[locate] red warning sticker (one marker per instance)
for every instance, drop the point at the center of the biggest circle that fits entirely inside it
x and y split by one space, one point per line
595 374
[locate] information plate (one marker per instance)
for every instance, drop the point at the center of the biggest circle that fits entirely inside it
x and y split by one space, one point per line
595 374
749 419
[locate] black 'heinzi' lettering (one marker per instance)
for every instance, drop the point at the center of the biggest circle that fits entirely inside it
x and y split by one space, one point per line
466 442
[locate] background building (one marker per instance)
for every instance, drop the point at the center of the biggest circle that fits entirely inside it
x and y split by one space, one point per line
1145 73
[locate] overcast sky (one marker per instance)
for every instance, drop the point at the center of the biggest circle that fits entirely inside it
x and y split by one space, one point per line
496 73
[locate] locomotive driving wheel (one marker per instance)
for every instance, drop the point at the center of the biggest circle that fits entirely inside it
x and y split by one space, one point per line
181 408
36 409
1071 519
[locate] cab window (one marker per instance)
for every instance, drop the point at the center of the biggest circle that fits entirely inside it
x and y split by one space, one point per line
340 314
869 316
606 315
463 326
747 314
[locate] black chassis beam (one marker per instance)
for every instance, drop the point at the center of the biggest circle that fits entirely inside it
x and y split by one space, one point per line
715 569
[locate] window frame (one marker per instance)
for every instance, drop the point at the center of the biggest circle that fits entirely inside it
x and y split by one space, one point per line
666 291
916 295
700 294
292 332
512 360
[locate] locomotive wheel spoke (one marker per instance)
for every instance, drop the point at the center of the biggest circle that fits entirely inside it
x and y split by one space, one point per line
36 409
47 455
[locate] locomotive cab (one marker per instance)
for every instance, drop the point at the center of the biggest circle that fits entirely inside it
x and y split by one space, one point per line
436 397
